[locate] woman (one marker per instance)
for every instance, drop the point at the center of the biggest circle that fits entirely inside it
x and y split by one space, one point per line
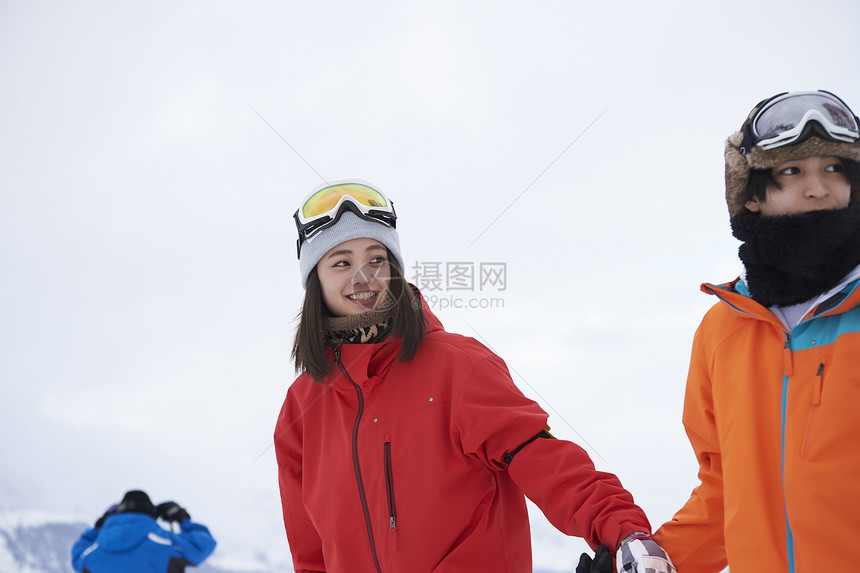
403 447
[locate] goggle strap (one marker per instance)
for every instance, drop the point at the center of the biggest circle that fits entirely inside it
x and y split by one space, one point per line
747 128
747 141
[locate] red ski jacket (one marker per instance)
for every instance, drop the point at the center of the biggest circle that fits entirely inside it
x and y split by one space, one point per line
401 466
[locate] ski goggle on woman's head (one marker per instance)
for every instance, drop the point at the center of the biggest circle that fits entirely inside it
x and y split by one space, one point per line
325 205
791 117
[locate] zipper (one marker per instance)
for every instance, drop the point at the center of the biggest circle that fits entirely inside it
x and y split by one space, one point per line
787 362
356 466
788 371
389 490
817 385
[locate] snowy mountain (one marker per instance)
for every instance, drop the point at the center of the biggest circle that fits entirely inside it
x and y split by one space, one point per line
38 542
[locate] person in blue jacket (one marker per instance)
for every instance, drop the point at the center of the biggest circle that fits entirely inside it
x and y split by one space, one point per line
128 538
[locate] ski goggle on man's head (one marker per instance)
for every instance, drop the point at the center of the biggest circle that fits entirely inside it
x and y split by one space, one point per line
791 117
325 205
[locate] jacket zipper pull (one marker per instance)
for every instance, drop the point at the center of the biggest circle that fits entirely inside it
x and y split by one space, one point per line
392 534
787 362
819 381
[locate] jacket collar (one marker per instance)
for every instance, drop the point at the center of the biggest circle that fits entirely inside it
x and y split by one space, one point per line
841 298
367 364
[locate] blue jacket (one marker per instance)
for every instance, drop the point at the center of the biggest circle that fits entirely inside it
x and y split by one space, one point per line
135 543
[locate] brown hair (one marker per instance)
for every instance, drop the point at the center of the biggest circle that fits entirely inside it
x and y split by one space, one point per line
407 321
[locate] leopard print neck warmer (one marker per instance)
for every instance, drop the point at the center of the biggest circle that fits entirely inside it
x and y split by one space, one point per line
792 258
365 328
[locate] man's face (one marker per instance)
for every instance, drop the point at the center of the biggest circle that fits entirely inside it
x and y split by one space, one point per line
811 184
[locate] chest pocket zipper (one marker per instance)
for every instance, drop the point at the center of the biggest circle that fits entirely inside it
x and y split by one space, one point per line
817 386
389 491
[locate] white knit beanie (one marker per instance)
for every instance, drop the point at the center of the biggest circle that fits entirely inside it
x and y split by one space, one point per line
349 226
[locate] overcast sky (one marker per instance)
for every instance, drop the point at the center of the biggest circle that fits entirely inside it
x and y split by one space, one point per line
152 155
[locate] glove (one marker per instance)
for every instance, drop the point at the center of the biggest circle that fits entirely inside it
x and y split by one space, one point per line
110 511
171 511
639 553
602 562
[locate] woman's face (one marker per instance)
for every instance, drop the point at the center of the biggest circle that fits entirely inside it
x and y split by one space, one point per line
812 184
354 276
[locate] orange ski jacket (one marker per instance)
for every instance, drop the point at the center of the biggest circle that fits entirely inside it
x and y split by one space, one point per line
772 416
401 466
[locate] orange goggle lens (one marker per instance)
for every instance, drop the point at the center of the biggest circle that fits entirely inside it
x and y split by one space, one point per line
327 200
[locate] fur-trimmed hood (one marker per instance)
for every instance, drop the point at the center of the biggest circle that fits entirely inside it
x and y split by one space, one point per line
738 165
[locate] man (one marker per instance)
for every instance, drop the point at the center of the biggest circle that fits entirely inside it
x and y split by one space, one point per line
774 380
128 538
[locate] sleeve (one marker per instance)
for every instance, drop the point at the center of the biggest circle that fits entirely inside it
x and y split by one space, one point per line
491 416
560 478
494 418
305 542
194 542
85 541
694 537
